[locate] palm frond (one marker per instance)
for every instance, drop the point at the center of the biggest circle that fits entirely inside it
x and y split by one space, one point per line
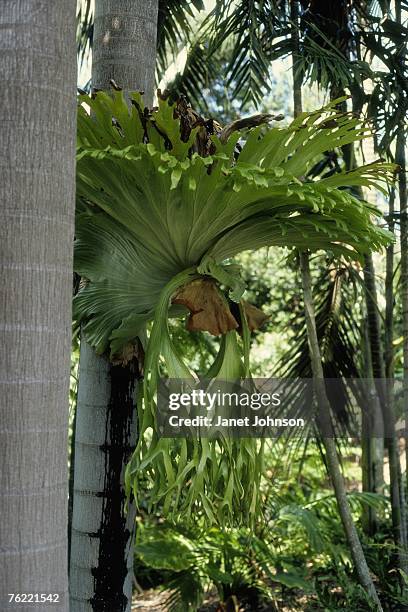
388 102
174 27
84 33
199 73
327 63
250 26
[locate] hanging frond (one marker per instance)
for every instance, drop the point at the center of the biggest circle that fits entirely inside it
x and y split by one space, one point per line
325 62
388 102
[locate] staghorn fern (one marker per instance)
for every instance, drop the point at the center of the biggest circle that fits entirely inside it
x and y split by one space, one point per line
158 224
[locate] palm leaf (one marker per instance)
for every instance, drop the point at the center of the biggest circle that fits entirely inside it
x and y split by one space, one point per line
251 26
174 27
84 33
199 73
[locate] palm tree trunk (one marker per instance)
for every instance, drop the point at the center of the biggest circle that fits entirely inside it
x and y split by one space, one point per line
400 159
101 568
380 361
389 350
385 400
71 458
372 447
124 45
373 433
378 368
323 404
37 189
389 297
102 544
324 424
374 323
403 198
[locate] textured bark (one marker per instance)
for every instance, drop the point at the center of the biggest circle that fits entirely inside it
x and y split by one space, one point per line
125 44
37 139
389 365
71 458
324 424
102 534
102 556
379 403
374 323
113 575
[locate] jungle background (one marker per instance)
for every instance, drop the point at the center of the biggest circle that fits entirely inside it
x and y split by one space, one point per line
231 59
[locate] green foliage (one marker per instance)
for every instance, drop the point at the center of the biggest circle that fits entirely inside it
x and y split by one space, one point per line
301 547
237 562
388 103
201 69
326 65
153 216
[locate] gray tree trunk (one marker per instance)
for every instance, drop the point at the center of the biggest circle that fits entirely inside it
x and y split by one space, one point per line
101 564
323 404
372 447
124 47
101 541
378 367
324 424
37 188
389 352
400 159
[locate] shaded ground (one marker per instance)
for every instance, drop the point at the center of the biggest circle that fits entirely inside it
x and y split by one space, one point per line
155 601
151 601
